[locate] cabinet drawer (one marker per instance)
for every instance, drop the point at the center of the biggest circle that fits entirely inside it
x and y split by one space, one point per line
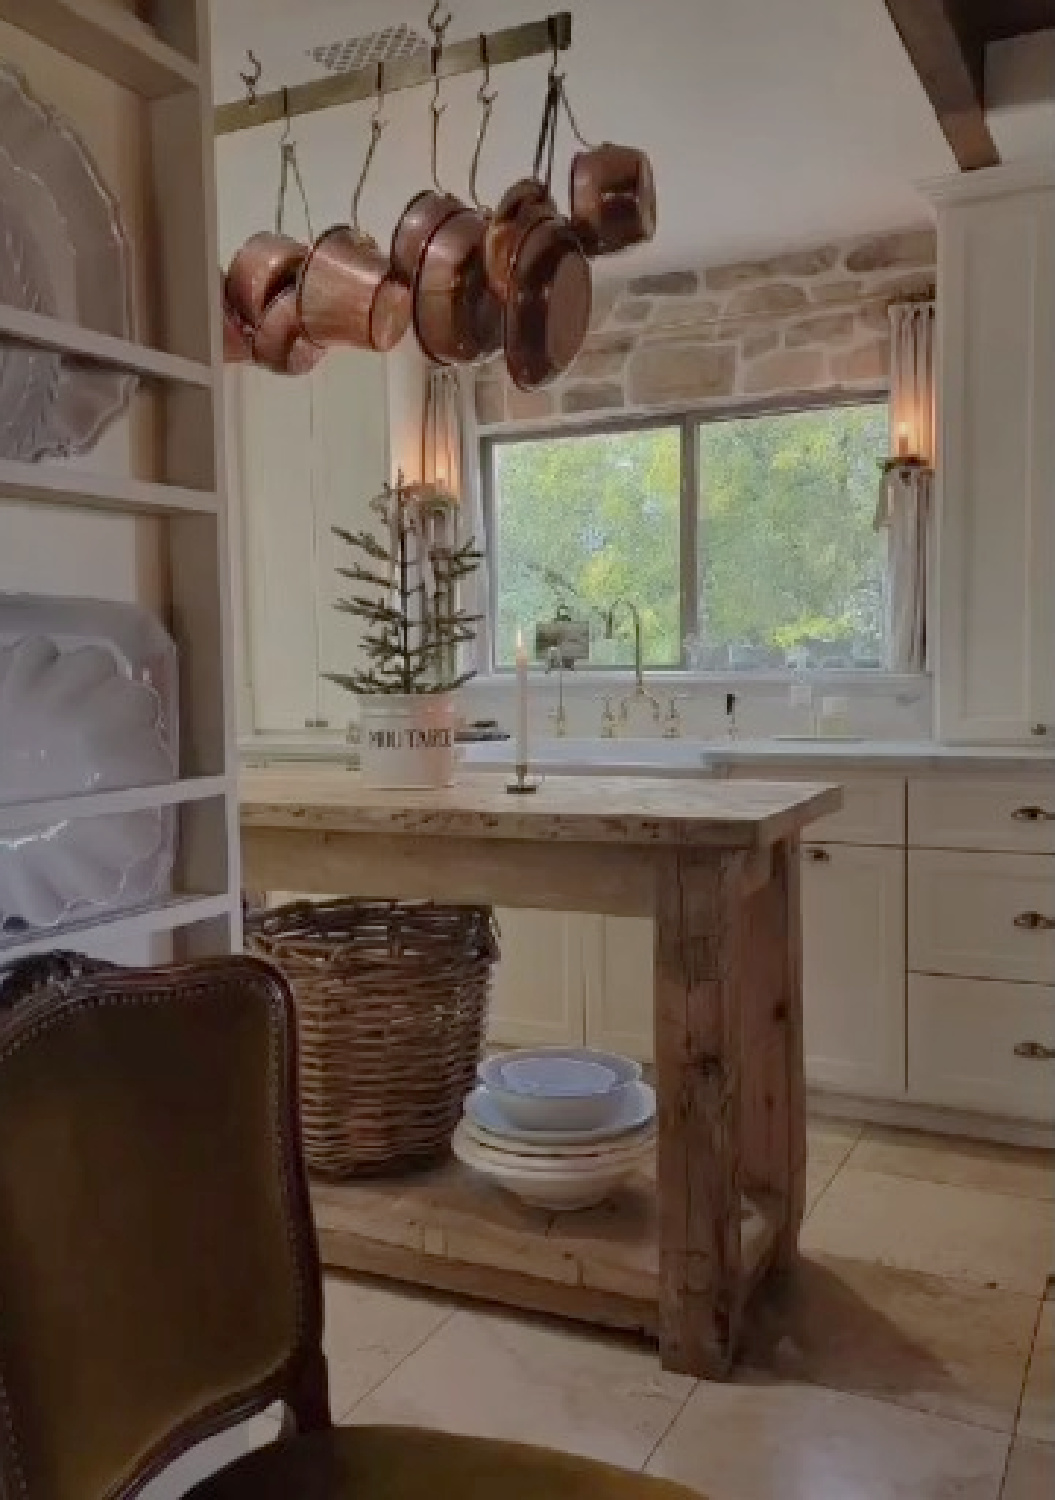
984 916
962 1035
873 810
967 812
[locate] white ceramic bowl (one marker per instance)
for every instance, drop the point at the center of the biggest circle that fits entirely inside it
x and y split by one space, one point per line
636 1114
559 1088
557 1186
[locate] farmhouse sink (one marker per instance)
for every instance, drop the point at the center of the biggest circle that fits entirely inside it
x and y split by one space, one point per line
619 757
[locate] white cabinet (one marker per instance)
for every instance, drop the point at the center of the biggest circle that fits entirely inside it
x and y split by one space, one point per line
853 921
995 659
619 986
538 988
982 916
309 454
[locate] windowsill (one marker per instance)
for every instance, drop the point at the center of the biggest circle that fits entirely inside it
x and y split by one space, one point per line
828 678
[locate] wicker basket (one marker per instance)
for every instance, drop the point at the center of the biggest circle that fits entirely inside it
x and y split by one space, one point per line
391 1005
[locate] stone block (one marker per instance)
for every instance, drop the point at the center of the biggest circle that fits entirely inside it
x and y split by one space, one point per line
779 297
912 247
874 318
866 363
755 344
702 310
490 402
846 289
789 370
823 328
603 302
661 373
750 272
596 397
602 362
665 284
631 312
916 284
528 406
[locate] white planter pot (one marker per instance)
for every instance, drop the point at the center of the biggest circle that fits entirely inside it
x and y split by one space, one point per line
407 739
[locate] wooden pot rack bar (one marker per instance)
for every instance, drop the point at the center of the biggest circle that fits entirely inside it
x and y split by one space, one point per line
512 44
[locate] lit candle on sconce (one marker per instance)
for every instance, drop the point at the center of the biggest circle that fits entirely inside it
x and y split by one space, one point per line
902 440
522 701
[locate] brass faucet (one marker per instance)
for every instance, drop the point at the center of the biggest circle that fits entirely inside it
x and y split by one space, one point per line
640 693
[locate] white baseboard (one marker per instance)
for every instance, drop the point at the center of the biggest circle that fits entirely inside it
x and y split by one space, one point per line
930 1117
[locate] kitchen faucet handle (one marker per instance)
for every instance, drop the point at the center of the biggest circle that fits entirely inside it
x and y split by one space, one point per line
608 720
672 720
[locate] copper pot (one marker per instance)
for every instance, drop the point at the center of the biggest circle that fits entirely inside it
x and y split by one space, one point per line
279 342
547 310
417 223
457 317
521 206
259 270
346 293
237 339
613 198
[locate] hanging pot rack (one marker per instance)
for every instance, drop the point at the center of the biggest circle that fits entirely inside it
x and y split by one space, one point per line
511 44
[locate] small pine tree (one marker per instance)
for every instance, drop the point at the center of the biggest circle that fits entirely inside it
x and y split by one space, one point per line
411 636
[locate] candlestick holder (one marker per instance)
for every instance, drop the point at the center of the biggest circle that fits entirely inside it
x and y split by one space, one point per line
523 783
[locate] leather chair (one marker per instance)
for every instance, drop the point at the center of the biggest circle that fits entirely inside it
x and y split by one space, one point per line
159 1271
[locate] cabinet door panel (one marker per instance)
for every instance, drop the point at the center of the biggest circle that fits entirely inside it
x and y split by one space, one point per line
996 515
853 934
983 916
619 973
537 992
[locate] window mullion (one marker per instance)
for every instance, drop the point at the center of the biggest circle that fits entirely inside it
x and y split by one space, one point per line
690 511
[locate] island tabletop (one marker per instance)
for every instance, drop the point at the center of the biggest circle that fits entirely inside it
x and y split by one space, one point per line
715 865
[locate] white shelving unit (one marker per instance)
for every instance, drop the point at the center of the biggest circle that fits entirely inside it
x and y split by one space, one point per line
180 504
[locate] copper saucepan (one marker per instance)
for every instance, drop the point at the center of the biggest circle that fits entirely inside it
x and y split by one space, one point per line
346 293
457 317
613 198
260 269
417 223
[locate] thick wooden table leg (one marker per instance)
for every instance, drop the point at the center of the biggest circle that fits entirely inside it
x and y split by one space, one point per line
698 1036
773 1092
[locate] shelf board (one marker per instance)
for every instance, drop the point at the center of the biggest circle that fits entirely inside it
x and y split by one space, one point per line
100 348
165 916
109 40
15 815
54 482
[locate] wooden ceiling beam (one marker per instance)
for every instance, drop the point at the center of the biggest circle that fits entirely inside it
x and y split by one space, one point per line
948 55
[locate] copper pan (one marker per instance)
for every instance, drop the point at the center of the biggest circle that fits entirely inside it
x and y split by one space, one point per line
613 198
265 264
346 293
279 342
547 310
521 206
237 339
457 317
417 223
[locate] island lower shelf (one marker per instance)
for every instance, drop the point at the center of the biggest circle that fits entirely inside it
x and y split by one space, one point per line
448 1229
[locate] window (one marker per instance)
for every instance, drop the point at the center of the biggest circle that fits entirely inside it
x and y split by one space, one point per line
746 542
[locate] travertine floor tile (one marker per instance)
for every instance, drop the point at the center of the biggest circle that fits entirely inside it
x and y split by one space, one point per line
831 1141
536 1383
1037 1417
1030 1472
946 1347
755 1441
990 1238
936 1158
370 1329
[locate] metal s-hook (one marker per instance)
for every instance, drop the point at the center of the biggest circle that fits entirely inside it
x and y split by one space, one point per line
439 19
487 99
377 126
379 106
436 109
287 123
252 79
554 41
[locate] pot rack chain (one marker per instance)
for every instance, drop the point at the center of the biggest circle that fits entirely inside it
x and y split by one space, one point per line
546 37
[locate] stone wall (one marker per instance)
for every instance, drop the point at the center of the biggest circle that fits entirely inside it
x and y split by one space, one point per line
811 322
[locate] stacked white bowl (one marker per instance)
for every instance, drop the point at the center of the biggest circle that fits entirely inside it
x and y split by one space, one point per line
559 1127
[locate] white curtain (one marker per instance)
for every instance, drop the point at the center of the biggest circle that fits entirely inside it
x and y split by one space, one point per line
907 491
449 458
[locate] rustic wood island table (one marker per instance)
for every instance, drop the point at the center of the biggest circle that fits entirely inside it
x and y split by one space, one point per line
714 863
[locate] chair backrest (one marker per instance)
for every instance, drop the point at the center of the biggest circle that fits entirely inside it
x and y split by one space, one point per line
159 1273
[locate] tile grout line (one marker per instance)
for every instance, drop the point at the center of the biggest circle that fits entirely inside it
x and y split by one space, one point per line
650 1455
452 1312
1028 1367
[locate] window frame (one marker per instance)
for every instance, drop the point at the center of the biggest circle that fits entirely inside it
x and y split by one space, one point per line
689 422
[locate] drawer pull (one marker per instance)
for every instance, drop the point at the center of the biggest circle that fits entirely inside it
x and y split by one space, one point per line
1034 921
1035 1051
1033 815
819 856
